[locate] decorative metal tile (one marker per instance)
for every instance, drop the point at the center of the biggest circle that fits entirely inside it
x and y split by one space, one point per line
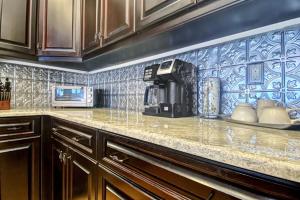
92 79
140 71
233 53
40 101
115 75
23 72
277 96
123 102
69 77
107 76
23 86
81 79
6 70
265 47
115 88
132 102
273 80
131 73
190 57
292 41
40 74
230 100
292 100
114 101
40 87
123 88
56 76
132 87
23 100
140 102
207 58
292 73
233 78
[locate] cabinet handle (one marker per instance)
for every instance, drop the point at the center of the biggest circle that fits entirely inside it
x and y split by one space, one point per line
54 129
210 196
13 128
115 157
64 159
60 156
77 139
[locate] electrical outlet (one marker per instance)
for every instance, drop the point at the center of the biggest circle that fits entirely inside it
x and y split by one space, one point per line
255 73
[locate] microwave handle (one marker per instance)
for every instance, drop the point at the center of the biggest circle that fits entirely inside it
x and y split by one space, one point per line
146 99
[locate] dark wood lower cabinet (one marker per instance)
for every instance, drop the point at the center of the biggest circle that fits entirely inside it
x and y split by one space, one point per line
82 177
114 187
20 169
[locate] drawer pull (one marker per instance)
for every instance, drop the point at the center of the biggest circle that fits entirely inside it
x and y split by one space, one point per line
115 157
77 139
60 156
14 128
210 196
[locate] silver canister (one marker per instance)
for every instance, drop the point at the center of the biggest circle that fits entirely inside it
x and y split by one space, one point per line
211 97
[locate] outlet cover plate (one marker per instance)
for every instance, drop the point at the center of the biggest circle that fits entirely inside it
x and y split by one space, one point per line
255 73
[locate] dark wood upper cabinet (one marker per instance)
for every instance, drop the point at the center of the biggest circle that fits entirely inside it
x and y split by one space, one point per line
60 28
18 25
149 12
118 19
91 21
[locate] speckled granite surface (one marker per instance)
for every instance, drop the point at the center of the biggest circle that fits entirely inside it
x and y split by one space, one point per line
269 151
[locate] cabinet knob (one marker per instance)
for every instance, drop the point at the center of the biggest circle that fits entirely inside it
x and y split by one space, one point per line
116 158
64 159
60 156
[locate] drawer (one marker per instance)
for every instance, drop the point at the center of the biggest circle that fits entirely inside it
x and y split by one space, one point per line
78 136
163 177
19 126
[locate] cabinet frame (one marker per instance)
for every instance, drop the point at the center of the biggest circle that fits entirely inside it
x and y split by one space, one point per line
31 31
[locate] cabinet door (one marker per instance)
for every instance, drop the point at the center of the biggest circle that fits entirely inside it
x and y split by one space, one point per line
117 19
60 28
58 170
91 25
114 187
18 25
19 170
149 12
82 177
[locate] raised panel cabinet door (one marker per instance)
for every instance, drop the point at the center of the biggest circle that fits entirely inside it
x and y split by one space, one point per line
117 19
149 12
19 170
91 13
60 28
18 25
58 170
82 177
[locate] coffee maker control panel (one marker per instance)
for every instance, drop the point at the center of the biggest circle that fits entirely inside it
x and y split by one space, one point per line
166 67
150 72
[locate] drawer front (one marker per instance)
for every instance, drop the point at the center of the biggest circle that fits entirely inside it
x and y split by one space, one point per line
19 126
168 180
79 137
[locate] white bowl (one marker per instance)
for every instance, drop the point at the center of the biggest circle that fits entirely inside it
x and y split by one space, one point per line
244 112
274 115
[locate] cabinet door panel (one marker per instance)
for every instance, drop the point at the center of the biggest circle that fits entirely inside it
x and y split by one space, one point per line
59 24
149 12
58 170
82 177
18 25
19 170
91 25
60 27
118 19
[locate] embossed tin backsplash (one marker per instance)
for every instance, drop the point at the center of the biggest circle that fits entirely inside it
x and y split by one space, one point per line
31 86
123 88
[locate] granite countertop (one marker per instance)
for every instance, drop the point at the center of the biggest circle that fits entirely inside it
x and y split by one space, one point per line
268 151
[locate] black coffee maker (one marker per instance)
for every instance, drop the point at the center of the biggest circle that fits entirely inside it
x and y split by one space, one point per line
170 95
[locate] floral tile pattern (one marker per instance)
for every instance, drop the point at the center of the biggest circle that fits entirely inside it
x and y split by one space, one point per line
292 42
124 87
265 46
233 53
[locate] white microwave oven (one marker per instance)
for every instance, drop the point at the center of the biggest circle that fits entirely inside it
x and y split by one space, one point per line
72 96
